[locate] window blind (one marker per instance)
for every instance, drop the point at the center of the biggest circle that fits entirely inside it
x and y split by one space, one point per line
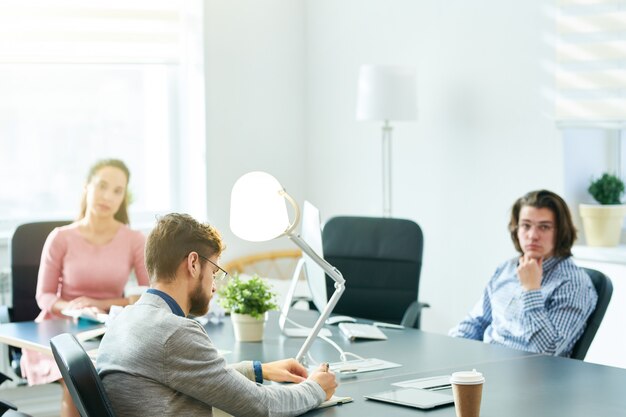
94 31
590 74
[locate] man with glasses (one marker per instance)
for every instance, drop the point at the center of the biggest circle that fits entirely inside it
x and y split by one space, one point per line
539 301
153 360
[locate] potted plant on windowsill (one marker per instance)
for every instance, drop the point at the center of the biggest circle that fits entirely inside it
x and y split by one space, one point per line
603 223
248 302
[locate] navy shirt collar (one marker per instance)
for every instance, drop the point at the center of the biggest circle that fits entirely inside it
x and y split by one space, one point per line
169 300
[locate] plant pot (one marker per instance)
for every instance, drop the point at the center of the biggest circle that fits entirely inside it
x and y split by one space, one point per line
602 223
248 328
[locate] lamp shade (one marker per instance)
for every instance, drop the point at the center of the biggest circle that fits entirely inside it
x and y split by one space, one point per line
258 211
386 92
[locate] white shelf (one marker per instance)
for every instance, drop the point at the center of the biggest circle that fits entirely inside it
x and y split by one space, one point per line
616 255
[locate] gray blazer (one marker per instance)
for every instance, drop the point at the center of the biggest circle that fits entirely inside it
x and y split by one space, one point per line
153 362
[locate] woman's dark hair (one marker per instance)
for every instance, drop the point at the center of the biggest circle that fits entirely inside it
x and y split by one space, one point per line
565 232
122 212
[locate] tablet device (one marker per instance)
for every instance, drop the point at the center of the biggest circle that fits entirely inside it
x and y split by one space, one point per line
412 397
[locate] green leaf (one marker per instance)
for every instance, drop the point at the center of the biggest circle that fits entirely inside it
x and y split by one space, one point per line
608 189
253 296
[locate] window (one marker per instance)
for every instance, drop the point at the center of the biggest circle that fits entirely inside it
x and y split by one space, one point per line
591 62
82 81
590 84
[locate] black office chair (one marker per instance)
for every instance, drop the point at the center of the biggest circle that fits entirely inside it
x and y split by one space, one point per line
8 409
604 289
26 246
80 376
381 260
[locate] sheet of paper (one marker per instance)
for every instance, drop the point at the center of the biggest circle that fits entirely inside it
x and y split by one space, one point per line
362 365
432 383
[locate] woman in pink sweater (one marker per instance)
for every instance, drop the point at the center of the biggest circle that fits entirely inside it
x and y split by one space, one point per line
87 263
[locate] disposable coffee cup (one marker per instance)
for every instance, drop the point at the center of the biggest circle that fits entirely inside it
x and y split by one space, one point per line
467 388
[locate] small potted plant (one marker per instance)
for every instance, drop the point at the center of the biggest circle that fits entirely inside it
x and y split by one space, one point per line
247 301
603 223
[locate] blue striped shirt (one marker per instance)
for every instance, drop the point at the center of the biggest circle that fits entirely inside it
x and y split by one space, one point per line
548 320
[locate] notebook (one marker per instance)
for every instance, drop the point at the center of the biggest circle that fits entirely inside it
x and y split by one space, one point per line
334 400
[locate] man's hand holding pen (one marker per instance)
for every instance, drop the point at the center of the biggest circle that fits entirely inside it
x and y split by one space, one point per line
325 378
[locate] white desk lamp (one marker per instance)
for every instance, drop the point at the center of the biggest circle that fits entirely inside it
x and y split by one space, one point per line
386 92
258 213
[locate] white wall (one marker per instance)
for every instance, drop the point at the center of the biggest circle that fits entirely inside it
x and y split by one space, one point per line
255 97
281 89
482 138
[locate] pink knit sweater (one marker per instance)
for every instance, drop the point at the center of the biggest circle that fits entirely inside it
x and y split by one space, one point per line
72 267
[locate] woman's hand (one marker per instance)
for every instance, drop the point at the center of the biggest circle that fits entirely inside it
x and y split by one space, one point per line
86 302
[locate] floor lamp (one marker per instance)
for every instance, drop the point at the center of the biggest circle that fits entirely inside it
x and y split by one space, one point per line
386 92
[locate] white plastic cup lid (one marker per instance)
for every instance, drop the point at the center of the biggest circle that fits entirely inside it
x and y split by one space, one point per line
472 377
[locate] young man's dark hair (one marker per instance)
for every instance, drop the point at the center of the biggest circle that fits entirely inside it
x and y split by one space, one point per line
565 230
171 240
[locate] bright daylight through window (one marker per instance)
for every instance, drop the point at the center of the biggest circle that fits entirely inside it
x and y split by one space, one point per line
81 81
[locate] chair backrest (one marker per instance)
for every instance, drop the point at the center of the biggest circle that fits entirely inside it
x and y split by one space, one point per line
381 260
604 289
26 246
80 376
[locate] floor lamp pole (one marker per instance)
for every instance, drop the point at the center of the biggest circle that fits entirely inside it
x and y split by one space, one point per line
386 153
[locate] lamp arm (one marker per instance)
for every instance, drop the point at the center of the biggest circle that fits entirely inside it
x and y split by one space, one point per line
296 211
339 289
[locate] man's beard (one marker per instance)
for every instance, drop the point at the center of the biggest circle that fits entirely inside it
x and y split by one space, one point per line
199 301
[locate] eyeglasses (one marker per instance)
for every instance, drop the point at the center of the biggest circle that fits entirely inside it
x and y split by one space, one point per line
218 275
540 227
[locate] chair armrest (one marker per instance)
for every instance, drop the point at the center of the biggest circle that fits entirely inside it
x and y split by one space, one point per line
413 314
5 406
4 314
4 377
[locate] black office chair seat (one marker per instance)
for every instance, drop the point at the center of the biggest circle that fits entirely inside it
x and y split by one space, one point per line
80 376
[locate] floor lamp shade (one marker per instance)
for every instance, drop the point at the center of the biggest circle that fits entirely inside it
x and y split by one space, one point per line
386 92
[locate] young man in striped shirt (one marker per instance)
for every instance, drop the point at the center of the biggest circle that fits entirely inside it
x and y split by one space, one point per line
539 301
